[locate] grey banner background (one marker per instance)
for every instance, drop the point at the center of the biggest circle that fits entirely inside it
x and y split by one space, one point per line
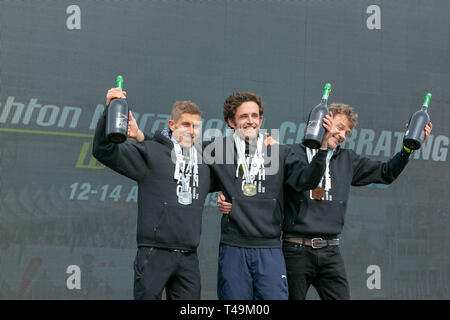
203 51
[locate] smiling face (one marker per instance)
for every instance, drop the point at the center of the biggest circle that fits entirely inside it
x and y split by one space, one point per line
185 130
247 120
341 128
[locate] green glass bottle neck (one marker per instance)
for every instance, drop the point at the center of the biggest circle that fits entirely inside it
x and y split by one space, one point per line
119 82
326 91
427 100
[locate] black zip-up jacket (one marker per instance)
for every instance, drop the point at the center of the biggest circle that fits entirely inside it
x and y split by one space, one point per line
162 222
256 222
306 217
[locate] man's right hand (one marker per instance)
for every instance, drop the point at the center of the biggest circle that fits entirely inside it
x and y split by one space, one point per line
222 204
115 93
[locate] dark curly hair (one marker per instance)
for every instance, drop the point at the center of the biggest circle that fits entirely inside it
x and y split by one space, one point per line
235 100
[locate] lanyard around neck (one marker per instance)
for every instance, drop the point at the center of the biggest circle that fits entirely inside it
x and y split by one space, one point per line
257 162
180 166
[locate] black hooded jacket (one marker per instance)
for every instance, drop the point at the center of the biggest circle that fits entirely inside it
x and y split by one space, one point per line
306 217
256 221
162 222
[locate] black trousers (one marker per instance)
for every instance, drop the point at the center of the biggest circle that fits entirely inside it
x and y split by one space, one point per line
323 268
157 269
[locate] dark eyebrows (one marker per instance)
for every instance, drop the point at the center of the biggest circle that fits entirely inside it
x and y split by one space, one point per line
249 115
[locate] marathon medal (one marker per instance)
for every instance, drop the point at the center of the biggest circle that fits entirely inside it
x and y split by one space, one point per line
249 189
184 198
183 173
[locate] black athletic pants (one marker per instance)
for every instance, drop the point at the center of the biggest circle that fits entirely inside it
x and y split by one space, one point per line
323 268
156 269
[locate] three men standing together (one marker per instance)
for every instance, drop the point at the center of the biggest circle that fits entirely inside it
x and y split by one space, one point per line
272 210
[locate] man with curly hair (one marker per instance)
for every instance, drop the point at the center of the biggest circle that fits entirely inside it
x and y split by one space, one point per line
251 264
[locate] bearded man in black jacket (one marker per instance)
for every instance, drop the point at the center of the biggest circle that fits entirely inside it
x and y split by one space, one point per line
173 184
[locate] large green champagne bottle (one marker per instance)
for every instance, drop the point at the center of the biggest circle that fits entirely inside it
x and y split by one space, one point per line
415 133
315 131
117 118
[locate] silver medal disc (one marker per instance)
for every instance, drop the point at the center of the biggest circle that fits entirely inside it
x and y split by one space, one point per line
185 198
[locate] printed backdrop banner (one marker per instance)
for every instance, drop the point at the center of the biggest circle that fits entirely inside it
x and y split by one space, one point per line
68 224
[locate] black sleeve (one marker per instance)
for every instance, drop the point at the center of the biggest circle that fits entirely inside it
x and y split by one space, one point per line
368 171
126 158
303 176
215 186
147 137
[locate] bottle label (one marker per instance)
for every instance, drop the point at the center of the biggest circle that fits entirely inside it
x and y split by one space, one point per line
121 121
313 127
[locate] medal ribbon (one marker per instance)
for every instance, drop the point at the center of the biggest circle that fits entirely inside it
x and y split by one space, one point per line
310 154
192 166
257 162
